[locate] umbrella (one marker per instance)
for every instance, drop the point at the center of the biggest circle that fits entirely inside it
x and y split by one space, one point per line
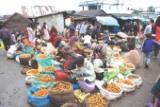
107 20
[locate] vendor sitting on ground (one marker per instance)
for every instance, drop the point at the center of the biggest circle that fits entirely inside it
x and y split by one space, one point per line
84 71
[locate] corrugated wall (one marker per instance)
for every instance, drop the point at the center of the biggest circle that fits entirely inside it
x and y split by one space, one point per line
53 20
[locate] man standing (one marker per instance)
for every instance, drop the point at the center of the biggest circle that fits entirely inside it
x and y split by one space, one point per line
149 27
6 37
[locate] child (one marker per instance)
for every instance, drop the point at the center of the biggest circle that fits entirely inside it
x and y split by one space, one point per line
147 48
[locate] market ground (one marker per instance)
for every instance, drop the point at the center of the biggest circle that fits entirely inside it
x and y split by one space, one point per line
13 91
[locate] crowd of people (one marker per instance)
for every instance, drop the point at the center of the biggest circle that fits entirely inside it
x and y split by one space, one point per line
85 39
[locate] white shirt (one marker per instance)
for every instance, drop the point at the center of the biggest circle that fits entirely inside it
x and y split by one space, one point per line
148 29
87 39
46 35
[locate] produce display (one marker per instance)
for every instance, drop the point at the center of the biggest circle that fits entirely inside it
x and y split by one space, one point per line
25 56
41 56
112 87
44 78
32 72
126 81
61 86
49 68
41 92
55 83
123 69
96 100
130 66
18 52
133 77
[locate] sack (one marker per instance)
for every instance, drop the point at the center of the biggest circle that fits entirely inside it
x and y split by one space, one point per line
44 62
70 105
37 101
138 80
86 87
126 87
11 51
28 50
99 101
25 69
24 59
1 45
37 83
110 95
59 97
110 75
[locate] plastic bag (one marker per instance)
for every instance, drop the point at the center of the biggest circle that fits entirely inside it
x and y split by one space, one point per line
1 45
87 87
45 61
37 101
28 49
110 74
109 95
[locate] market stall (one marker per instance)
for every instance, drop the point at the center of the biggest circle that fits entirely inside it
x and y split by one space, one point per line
53 82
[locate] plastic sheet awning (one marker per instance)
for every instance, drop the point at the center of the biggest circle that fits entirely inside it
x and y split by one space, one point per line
107 20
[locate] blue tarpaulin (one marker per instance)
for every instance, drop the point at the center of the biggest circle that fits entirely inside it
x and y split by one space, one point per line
107 20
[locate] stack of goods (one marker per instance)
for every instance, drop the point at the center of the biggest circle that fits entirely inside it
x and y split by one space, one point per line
95 100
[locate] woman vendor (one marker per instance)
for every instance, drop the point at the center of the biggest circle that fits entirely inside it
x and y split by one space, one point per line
55 39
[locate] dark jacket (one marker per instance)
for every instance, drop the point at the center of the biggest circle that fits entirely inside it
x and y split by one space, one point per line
147 46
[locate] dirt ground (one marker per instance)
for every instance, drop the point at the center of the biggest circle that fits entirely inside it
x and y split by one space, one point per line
13 91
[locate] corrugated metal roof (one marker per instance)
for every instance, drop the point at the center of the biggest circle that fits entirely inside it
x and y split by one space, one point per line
92 13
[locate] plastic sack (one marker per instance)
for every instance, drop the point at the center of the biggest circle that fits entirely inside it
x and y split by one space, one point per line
11 51
1 45
28 49
39 84
24 60
70 105
100 101
86 87
29 79
126 87
138 81
110 74
75 86
107 94
133 57
37 101
125 73
44 62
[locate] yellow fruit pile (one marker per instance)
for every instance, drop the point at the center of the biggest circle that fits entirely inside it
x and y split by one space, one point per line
41 92
96 100
61 86
44 78
111 87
